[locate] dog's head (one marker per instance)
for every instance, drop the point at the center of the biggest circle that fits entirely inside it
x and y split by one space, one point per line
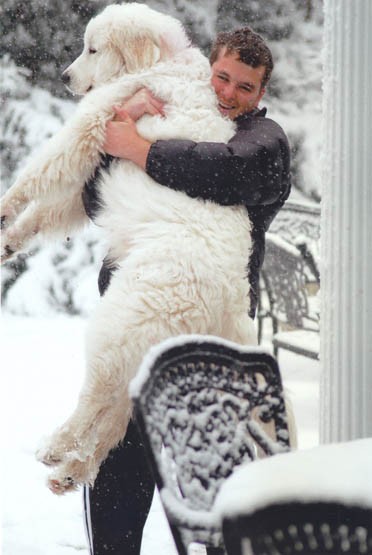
124 38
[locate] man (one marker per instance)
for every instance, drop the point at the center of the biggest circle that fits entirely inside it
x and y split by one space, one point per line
251 169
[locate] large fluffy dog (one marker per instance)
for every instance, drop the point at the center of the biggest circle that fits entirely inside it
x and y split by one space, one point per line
181 262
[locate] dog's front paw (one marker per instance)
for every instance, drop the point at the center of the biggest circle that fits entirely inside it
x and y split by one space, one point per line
5 218
6 253
8 213
11 244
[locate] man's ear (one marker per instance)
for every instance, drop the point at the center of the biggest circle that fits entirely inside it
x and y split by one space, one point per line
138 52
262 92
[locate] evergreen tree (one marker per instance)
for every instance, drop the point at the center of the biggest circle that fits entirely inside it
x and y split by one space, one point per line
271 18
198 18
45 36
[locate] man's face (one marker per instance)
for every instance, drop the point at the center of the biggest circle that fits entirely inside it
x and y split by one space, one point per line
237 85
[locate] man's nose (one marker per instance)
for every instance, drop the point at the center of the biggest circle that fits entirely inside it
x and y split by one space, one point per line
229 91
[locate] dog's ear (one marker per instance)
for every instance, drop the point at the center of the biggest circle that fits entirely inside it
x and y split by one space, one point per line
138 52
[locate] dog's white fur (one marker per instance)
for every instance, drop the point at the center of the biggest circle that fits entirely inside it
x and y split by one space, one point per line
181 261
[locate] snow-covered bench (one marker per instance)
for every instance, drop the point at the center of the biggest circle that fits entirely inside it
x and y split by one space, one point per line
205 405
314 501
290 280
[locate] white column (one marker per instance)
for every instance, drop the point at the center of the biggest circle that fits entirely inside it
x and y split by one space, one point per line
346 223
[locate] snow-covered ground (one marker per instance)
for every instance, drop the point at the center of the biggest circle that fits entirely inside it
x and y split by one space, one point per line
42 362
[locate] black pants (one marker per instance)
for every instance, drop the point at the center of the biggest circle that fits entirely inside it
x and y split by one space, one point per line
117 506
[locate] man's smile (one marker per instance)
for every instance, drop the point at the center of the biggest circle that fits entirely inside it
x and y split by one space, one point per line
225 108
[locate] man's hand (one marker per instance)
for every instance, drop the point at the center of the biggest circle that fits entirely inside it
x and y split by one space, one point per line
143 102
123 140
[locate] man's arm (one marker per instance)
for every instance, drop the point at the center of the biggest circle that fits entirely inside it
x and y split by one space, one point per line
252 169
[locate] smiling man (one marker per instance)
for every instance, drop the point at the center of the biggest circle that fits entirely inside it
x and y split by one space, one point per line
251 169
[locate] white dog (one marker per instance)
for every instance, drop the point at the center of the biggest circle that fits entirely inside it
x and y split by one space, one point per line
181 261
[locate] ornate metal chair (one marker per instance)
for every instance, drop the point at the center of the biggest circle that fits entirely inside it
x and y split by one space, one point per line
203 406
287 274
317 501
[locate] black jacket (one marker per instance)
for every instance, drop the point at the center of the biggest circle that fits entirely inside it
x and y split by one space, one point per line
251 169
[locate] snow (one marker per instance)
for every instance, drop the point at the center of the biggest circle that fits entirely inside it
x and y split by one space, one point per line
52 278
43 366
301 476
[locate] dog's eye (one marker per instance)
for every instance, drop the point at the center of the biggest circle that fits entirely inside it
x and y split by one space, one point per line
92 50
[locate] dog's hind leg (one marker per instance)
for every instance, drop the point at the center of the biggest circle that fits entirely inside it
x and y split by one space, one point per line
137 311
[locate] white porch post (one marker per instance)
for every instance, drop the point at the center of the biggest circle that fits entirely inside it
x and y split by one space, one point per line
346 223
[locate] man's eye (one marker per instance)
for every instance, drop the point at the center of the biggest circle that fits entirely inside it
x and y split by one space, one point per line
92 50
222 77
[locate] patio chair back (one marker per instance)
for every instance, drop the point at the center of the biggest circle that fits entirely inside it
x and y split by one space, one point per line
204 406
295 527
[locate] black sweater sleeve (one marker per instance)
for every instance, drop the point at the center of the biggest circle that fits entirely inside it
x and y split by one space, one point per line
251 169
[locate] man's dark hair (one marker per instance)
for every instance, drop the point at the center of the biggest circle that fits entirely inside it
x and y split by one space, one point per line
250 47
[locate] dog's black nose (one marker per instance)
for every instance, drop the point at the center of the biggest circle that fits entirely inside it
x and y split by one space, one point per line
65 78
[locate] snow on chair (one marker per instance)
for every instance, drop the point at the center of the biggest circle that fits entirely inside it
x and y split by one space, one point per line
313 501
205 405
